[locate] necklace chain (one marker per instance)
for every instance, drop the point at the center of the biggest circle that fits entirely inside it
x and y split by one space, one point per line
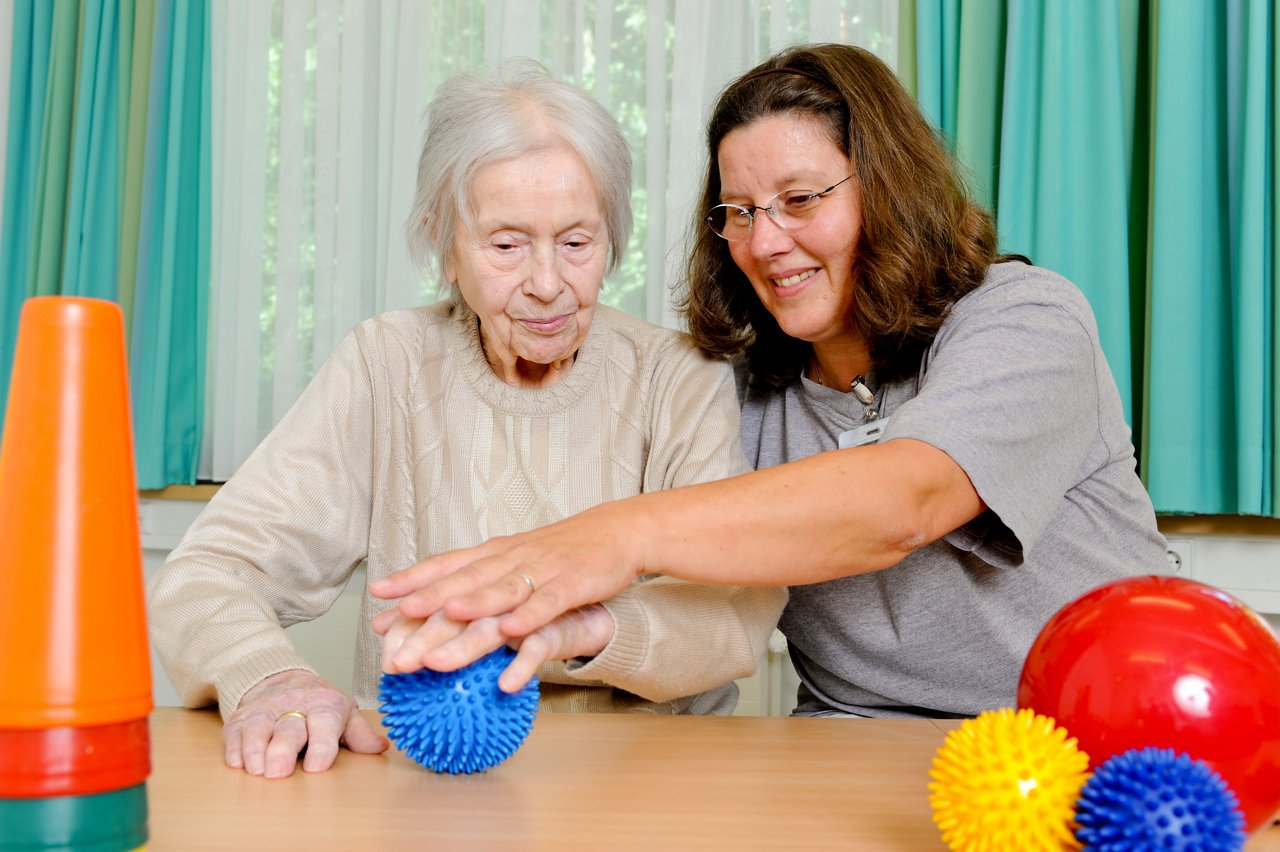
858 387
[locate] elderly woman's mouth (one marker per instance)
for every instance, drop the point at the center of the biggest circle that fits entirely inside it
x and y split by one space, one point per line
545 325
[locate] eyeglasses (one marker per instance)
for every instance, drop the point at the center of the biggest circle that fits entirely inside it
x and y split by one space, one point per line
790 210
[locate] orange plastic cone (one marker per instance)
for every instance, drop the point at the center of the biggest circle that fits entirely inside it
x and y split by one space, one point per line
73 637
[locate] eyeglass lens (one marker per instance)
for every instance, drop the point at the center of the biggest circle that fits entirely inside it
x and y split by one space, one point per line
789 210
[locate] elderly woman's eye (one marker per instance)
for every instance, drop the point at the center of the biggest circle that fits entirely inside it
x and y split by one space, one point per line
506 245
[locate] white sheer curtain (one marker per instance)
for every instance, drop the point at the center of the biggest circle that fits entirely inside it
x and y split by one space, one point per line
317 121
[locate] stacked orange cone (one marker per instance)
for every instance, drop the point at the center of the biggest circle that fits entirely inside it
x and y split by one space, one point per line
75 674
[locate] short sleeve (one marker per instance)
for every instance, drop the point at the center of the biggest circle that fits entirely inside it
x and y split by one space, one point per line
1010 393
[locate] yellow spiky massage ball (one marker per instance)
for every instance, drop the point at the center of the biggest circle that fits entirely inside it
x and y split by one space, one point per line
1007 780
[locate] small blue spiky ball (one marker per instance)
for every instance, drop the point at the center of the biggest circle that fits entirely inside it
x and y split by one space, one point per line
458 722
1151 798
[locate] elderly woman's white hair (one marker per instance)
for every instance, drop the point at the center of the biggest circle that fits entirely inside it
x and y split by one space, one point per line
478 119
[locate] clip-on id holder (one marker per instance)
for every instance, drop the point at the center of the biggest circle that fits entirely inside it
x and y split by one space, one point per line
867 433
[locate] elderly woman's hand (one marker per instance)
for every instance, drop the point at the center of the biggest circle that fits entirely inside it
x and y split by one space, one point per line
291 710
443 644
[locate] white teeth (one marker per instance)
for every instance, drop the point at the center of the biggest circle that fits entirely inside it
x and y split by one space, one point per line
794 279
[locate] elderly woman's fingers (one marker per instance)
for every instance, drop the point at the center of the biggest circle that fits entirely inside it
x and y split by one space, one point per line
582 632
399 629
330 727
283 714
410 639
532 653
439 643
478 638
246 736
361 737
325 725
288 737
381 623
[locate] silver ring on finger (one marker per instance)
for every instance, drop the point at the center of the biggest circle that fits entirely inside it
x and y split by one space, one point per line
528 580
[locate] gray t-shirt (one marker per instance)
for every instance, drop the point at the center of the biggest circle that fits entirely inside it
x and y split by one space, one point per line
1015 389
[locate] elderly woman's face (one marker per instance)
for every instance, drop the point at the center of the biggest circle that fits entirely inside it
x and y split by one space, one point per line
532 267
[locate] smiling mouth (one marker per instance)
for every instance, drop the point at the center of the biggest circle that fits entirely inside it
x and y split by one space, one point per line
792 280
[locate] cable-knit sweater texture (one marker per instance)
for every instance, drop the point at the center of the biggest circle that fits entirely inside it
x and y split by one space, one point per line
406 444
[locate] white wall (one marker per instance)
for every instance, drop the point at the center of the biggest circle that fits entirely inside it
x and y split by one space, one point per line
1245 566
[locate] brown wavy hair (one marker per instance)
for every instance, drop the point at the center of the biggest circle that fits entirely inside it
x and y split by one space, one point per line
924 243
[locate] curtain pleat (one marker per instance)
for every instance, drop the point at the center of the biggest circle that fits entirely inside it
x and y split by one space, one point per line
1063 197
237 420
291 277
6 64
1190 437
29 76
93 206
167 352
1253 256
50 207
1272 352
401 120
655 166
328 70
937 30
1212 269
135 82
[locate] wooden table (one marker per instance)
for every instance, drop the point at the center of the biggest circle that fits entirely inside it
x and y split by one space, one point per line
584 782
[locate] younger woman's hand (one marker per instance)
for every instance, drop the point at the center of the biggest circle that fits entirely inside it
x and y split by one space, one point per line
526 580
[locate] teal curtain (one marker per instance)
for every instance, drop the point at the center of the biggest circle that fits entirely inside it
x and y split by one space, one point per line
1031 97
1063 198
1130 147
167 351
107 195
1211 390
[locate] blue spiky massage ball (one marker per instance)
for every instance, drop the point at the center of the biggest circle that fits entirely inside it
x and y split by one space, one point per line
458 722
1151 798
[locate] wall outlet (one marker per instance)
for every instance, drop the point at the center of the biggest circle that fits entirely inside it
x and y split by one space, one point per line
1179 553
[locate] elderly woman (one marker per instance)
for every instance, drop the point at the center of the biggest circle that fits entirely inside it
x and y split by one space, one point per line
516 402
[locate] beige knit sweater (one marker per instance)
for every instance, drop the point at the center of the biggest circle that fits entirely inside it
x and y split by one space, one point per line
406 444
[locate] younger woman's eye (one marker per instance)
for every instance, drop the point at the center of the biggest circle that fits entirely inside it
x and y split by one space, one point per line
798 200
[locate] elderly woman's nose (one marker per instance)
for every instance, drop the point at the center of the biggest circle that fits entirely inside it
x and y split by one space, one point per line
543 275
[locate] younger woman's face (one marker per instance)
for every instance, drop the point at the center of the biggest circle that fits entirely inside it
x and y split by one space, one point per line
804 277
